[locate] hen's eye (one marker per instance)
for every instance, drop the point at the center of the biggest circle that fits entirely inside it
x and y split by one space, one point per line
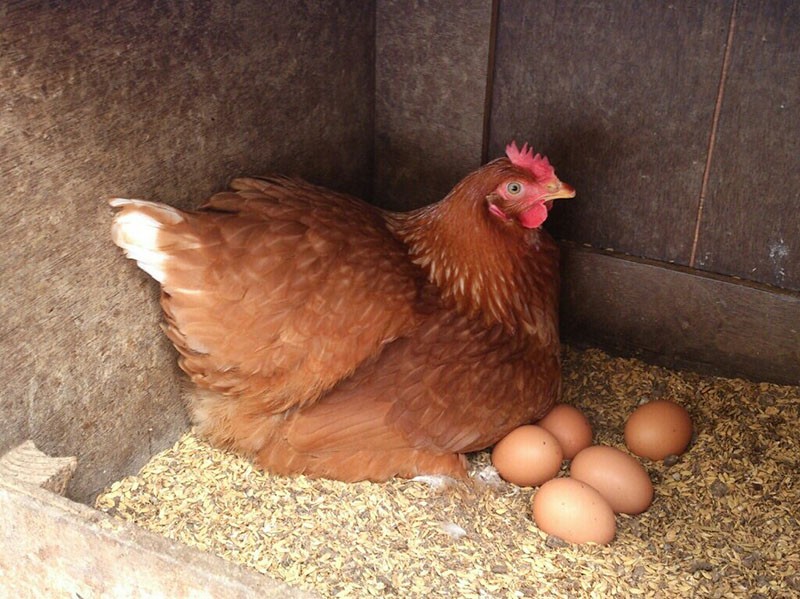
514 188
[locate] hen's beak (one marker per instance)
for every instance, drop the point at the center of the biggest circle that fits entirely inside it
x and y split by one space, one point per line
563 192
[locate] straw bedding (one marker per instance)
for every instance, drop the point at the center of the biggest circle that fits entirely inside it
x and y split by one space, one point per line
724 520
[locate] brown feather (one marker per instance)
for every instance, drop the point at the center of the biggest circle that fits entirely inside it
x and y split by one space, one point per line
326 337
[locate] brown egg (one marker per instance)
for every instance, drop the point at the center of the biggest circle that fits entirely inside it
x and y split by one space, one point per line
619 478
574 511
657 429
570 427
527 456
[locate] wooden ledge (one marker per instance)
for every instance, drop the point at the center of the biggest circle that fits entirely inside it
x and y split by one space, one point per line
51 546
680 317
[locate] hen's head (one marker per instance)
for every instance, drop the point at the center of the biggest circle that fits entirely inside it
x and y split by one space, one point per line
477 244
524 190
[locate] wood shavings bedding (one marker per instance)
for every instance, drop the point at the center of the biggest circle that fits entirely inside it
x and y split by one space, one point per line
724 520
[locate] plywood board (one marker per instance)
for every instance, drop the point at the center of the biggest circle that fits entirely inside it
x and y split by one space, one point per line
53 547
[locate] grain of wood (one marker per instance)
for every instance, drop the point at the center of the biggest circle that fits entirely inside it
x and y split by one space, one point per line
723 522
26 464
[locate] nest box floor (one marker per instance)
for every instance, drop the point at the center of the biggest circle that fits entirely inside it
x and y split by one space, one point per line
724 520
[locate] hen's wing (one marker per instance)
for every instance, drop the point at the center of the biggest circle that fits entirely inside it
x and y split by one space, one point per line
457 387
453 385
416 408
277 290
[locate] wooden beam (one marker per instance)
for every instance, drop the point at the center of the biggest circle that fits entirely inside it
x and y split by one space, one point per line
53 547
30 466
680 317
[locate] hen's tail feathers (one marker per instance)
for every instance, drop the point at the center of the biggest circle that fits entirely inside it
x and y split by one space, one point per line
147 232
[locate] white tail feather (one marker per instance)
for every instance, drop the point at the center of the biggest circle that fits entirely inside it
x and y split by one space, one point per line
171 215
137 233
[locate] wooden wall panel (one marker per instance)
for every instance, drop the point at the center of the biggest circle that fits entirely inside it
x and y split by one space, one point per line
751 220
431 69
620 96
680 317
164 101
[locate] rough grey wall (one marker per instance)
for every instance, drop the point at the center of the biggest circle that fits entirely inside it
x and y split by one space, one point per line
431 60
161 100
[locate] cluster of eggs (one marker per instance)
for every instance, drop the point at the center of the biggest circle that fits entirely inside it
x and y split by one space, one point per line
603 481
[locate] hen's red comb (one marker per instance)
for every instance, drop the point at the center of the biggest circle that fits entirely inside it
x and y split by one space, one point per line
525 158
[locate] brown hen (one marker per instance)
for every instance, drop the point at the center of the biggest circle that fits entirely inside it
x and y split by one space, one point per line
327 337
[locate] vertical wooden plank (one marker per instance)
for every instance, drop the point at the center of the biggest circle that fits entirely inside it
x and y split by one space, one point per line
620 96
431 68
751 219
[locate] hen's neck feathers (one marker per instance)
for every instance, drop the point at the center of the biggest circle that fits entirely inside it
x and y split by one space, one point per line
483 265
